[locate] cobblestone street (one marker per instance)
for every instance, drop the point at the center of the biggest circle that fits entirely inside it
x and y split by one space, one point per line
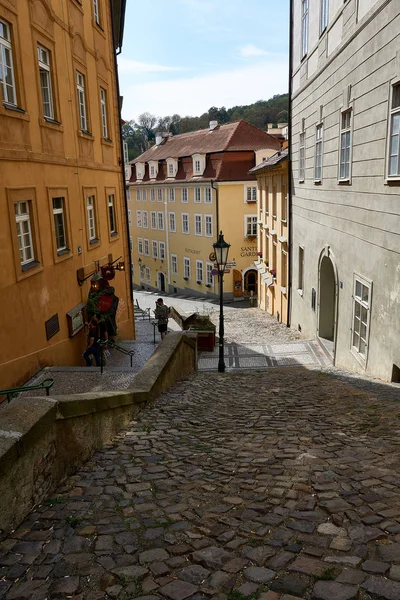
280 484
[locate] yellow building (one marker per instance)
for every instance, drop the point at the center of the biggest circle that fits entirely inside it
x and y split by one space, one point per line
185 189
272 261
62 195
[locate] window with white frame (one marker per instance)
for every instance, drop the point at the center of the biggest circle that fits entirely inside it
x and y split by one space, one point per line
144 195
154 246
45 82
304 27
199 163
394 135
59 223
284 206
153 215
185 196
160 220
96 11
174 264
140 245
147 270
345 144
152 195
208 220
199 270
197 195
146 247
103 107
302 156
207 195
91 217
172 222
318 152
198 224
137 195
142 273
128 194
209 277
361 316
131 243
139 218
80 88
274 203
139 170
172 194
251 193
145 219
160 194
170 169
185 223
7 79
197 167
300 281
111 214
24 232
250 225
161 250
152 171
323 17
129 216
186 268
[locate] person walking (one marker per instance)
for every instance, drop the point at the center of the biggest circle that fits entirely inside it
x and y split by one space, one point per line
161 313
95 334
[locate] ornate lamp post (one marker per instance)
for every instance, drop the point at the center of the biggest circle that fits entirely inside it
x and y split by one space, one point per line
221 249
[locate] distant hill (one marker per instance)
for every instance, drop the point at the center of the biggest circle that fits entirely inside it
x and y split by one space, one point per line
140 135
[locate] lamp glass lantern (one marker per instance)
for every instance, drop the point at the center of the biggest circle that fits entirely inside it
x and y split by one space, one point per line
221 249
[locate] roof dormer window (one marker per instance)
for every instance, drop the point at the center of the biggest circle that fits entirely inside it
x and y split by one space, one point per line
172 167
153 169
199 164
139 170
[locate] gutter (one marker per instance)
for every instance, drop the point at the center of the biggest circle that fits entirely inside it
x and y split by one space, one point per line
290 196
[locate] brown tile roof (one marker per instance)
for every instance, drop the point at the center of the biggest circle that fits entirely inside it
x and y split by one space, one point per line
230 137
271 161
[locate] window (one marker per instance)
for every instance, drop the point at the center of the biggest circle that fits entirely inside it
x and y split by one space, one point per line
111 214
304 27
154 246
146 248
207 195
129 217
161 221
160 195
185 223
174 264
139 218
197 166
152 171
185 199
208 225
59 224
283 203
251 193
199 270
197 194
140 245
250 225
361 316
128 194
300 282
186 268
318 152
172 195
161 249
152 195
323 21
172 222
137 195
345 145
131 243
153 219
209 277
302 156
394 139
7 80
274 201
91 217
198 224
145 219
24 232
80 87
170 169
103 107
141 273
45 82
96 11
284 257
147 269
144 195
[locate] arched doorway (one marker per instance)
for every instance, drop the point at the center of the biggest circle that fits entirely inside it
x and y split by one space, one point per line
250 282
327 304
161 282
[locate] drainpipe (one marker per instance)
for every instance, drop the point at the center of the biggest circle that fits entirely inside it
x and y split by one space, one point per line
216 206
290 202
167 242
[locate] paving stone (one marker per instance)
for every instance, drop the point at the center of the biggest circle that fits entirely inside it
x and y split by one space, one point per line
156 555
290 584
343 544
373 566
269 596
331 529
178 590
212 557
194 574
351 576
352 561
331 590
130 571
258 574
309 566
222 581
259 555
394 573
384 589
248 589
65 587
390 553
235 565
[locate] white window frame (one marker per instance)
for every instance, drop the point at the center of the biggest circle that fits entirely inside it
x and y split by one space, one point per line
103 107
174 264
139 218
171 167
148 274
185 195
146 247
129 216
171 195
91 217
139 167
172 222
209 277
345 145
319 136
199 271
323 16
302 156
59 222
144 195
152 171
197 195
140 245
186 267
185 223
82 110
138 196
198 224
300 280
160 220
160 194
24 231
394 133
207 195
145 216
9 90
250 226
112 215
45 81
154 249
304 27
361 316
153 217
161 250
96 11
250 194
152 195
208 225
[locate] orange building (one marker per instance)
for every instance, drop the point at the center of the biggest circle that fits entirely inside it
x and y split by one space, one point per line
62 197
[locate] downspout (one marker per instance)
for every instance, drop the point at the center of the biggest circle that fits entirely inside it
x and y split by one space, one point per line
167 241
216 206
290 204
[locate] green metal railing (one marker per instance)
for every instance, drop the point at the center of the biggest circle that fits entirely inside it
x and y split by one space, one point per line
110 344
11 393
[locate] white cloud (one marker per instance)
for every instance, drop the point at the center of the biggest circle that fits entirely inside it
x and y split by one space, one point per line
194 96
126 65
252 50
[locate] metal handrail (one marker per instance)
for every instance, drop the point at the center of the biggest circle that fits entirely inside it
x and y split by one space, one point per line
110 344
11 393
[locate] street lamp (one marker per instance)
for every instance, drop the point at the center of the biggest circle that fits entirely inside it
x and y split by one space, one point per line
221 249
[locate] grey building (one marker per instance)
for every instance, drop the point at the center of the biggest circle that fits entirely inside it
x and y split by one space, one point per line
345 125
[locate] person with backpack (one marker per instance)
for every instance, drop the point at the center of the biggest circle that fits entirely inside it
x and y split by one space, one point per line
96 333
161 313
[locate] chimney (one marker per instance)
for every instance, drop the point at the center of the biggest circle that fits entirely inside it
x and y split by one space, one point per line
213 125
159 138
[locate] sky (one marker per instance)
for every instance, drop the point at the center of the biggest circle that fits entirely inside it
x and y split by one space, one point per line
184 56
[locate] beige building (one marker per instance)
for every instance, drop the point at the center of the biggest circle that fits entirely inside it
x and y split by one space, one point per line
272 208
183 191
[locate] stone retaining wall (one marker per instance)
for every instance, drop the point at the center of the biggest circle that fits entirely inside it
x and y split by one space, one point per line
43 440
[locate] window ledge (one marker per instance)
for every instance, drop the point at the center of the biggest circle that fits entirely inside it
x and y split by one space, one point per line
283 220
94 241
392 180
10 110
106 141
86 135
63 251
301 181
344 181
317 181
30 265
51 124
300 292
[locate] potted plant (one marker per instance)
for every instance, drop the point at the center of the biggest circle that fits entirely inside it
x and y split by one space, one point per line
273 273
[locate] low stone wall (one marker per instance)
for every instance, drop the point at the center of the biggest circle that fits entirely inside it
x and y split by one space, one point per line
185 321
43 440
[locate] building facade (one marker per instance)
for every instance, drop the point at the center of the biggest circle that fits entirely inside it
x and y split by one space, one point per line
346 177
183 191
272 256
61 182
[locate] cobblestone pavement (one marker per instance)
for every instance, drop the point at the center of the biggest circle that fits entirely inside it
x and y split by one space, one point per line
280 484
